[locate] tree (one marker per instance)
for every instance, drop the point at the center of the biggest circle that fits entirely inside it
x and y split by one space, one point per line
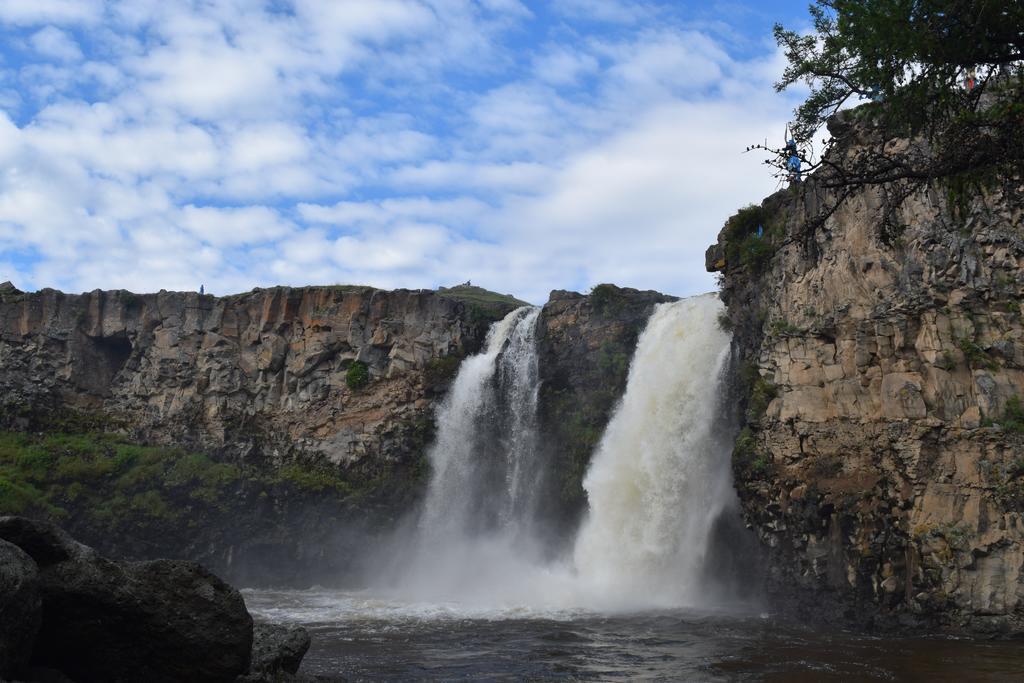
912 58
914 55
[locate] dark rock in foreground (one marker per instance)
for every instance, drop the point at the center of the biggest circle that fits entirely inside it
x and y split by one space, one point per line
20 607
162 620
277 652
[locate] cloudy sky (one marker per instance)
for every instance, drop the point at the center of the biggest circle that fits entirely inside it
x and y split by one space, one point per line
523 145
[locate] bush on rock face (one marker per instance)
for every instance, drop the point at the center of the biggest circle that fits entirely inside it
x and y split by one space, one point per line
358 375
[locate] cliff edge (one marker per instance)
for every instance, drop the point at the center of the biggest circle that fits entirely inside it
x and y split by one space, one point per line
880 359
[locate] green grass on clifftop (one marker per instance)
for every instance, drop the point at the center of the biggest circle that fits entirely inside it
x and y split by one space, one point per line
492 302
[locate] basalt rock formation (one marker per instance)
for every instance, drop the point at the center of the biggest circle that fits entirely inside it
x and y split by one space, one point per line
260 374
271 435
315 406
880 356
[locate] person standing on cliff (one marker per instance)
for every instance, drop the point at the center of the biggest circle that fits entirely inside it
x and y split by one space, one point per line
793 161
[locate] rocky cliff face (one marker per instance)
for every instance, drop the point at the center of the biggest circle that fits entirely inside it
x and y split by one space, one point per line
300 456
258 374
323 396
882 462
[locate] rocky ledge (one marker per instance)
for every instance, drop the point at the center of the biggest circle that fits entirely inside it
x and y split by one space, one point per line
69 614
880 355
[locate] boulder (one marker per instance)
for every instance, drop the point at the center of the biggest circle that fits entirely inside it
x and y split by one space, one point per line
20 608
277 652
163 620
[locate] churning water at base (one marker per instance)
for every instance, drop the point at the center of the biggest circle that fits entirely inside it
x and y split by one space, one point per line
361 638
656 484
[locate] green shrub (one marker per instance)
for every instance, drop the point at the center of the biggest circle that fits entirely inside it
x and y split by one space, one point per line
111 483
358 375
760 466
197 469
747 457
315 479
1013 416
151 504
742 244
613 361
607 299
80 467
975 355
439 371
744 223
17 497
761 394
756 252
784 328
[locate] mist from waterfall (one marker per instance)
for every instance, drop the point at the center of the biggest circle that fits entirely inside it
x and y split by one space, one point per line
657 481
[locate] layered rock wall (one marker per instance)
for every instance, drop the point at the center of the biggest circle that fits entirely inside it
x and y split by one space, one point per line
260 373
883 460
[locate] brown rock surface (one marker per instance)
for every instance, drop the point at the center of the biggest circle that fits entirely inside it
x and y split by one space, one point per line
261 370
875 468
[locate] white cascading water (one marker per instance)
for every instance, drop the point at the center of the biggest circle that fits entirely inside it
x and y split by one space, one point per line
519 376
659 477
655 485
468 449
473 540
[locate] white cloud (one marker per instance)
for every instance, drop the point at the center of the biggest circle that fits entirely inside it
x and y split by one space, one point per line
663 65
613 11
10 139
404 247
514 7
369 147
34 12
564 67
208 82
234 226
52 42
458 211
395 143
268 144
443 175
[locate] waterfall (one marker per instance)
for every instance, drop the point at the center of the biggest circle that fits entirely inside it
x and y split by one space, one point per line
657 482
478 516
486 436
660 475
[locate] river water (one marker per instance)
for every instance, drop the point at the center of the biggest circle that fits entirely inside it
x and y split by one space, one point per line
360 638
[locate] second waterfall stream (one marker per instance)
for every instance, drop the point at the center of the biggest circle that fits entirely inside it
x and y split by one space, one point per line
656 483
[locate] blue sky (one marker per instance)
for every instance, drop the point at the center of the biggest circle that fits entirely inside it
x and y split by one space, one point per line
526 146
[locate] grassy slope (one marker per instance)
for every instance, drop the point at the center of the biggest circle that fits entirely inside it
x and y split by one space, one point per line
106 478
483 298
